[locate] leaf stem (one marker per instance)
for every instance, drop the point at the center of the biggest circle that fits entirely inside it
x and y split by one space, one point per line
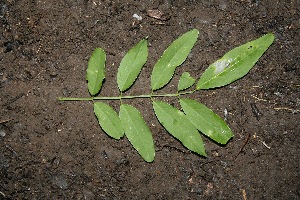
75 99
124 97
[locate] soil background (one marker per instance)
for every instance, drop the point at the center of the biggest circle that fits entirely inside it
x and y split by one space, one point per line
56 150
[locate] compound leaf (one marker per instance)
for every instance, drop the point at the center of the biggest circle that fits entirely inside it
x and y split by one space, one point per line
178 125
131 65
108 120
185 81
172 57
206 121
137 132
234 64
95 72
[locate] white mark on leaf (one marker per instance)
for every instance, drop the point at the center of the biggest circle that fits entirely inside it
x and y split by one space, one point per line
209 133
221 65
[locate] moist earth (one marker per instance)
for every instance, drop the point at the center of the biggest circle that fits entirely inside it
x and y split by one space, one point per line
57 150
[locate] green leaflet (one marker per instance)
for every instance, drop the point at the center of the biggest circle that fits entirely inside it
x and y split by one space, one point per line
137 132
234 64
172 57
185 81
95 72
206 121
108 120
131 65
178 125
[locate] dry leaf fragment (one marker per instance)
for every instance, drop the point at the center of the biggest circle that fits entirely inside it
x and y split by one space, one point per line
157 14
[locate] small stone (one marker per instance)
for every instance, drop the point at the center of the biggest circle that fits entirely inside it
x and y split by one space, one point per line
2 133
3 130
60 181
136 16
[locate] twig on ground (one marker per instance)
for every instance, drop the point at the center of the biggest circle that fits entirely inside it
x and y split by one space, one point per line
5 120
246 141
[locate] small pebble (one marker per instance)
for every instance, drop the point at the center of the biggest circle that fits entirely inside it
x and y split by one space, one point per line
2 130
60 181
137 17
2 133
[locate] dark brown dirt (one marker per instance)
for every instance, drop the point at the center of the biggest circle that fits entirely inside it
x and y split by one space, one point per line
56 150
